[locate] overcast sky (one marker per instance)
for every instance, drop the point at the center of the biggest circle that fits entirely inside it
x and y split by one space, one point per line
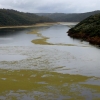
51 6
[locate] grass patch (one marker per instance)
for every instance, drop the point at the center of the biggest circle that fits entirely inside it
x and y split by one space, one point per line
42 41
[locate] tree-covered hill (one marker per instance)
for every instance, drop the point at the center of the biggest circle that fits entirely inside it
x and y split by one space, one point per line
88 29
12 17
63 17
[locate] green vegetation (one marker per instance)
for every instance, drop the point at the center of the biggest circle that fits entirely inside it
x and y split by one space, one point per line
72 17
88 29
10 17
14 18
38 85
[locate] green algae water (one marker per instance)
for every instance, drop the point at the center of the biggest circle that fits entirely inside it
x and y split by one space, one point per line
43 63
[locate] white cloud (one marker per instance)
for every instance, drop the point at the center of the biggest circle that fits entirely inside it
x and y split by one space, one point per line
67 6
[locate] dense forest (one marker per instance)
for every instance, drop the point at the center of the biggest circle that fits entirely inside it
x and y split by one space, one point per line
11 17
88 29
63 17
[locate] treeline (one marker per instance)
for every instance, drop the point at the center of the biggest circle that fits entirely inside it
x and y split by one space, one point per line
88 29
12 17
63 17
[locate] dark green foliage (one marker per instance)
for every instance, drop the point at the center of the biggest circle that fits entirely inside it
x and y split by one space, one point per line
90 26
88 29
12 17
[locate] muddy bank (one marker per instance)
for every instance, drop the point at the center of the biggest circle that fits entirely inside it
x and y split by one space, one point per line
92 40
38 85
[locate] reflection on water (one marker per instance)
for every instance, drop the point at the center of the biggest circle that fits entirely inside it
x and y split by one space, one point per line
43 62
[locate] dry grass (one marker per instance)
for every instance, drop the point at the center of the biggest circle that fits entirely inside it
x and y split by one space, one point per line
36 25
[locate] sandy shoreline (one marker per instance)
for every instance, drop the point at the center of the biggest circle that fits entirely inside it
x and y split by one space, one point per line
27 26
69 24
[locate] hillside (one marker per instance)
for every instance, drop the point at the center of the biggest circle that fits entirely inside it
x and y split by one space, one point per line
88 29
63 17
12 17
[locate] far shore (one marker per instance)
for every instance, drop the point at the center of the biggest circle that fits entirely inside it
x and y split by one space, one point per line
27 26
69 24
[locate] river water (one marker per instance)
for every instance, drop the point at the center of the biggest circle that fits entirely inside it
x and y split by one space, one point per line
43 63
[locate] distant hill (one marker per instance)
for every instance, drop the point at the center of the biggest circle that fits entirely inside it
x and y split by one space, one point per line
12 17
88 29
63 17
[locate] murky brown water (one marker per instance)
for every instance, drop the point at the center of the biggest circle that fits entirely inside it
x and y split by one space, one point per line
43 63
